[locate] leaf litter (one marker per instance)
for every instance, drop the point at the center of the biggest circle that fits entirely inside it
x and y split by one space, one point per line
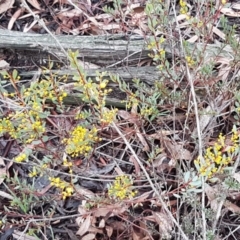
136 217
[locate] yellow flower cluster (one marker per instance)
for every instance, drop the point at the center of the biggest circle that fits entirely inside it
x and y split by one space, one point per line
108 116
7 126
147 111
33 173
65 187
190 61
26 125
219 156
68 164
162 52
45 89
122 188
184 8
132 101
21 157
91 91
80 141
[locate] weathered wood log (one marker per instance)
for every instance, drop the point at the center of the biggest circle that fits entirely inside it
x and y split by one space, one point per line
110 52
101 50
146 74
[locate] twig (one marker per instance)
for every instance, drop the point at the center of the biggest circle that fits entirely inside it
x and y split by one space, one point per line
194 98
41 22
150 181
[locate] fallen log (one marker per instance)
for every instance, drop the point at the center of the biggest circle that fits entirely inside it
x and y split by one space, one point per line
105 51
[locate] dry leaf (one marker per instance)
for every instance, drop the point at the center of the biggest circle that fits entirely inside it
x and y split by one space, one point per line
3 170
26 28
193 39
131 117
84 226
219 33
136 165
113 210
84 192
23 236
224 68
6 195
175 149
70 13
138 15
237 176
109 231
5 5
232 207
35 4
89 236
236 6
102 223
164 224
14 17
229 12
212 197
4 64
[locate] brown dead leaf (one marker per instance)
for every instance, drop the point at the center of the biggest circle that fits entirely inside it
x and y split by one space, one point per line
14 17
118 226
224 68
232 207
138 16
5 5
213 194
175 149
35 4
84 225
236 6
237 176
23 236
112 210
136 165
102 223
219 33
165 224
89 236
230 12
212 197
84 192
193 39
137 235
69 13
131 117
27 28
109 231
4 64
3 170
6 195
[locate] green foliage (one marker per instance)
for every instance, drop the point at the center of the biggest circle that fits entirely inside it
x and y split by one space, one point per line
122 188
23 194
